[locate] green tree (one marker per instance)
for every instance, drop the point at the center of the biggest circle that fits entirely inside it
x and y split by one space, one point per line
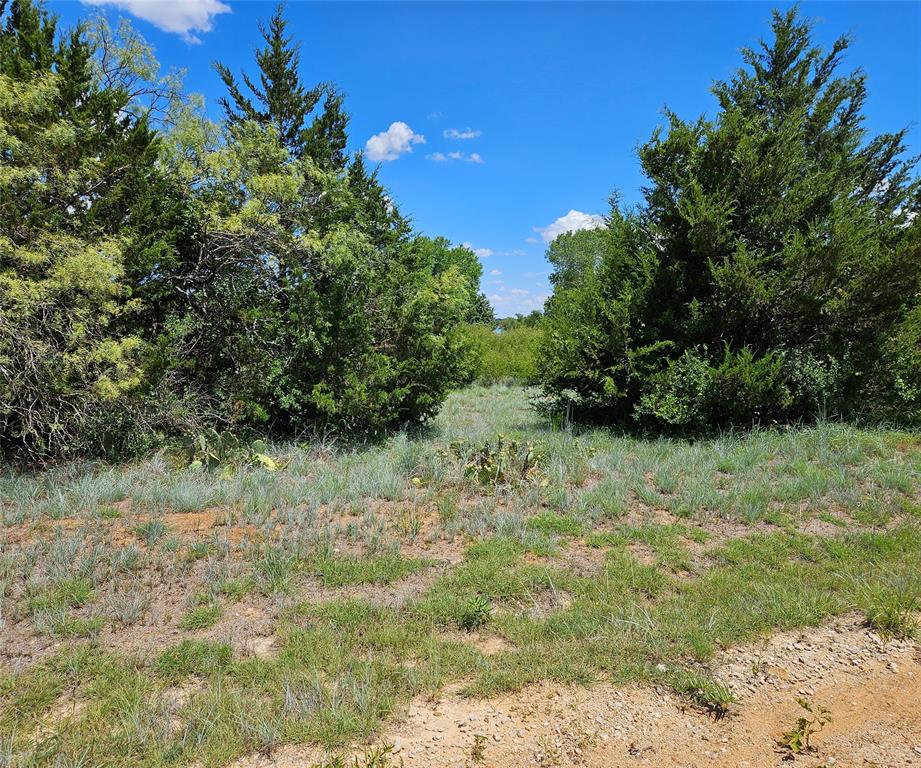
74 155
461 259
281 99
776 253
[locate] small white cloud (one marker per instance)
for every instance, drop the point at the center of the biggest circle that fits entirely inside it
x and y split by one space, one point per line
519 292
181 17
571 222
531 240
495 272
441 157
482 253
433 115
462 134
390 144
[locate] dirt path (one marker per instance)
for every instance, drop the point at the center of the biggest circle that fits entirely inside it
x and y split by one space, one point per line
873 690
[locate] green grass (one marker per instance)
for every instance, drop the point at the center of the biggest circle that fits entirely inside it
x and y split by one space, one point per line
201 616
193 657
345 570
697 546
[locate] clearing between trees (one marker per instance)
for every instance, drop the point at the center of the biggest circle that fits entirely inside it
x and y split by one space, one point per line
490 591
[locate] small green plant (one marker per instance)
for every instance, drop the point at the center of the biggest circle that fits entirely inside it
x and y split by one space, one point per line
478 750
375 757
704 691
274 571
201 617
198 550
151 531
504 462
59 623
67 593
476 614
892 606
797 740
550 522
235 589
446 505
213 450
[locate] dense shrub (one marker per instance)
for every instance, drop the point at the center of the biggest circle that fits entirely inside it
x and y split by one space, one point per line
74 158
498 355
772 273
156 272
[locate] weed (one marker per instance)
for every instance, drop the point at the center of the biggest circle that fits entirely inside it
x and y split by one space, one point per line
375 757
274 571
797 739
476 614
127 608
67 593
234 589
57 622
446 504
478 750
151 531
703 690
109 513
342 570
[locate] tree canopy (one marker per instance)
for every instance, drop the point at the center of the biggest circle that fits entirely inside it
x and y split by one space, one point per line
160 272
773 271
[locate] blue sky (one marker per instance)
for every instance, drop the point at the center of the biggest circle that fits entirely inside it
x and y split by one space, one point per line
530 112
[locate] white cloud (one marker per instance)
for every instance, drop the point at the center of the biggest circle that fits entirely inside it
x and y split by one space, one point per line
441 157
571 222
531 240
181 17
463 134
482 253
494 272
390 144
433 115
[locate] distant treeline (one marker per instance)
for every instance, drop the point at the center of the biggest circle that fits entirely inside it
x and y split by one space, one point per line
160 272
506 350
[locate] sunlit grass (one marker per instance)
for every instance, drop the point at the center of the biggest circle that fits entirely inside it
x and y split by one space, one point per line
623 559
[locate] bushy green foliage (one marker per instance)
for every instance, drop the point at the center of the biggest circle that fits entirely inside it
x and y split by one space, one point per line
73 159
502 355
772 273
166 275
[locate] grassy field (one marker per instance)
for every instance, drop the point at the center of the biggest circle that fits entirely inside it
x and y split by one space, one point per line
158 615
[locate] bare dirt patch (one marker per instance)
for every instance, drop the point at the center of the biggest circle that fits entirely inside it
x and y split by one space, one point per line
871 687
